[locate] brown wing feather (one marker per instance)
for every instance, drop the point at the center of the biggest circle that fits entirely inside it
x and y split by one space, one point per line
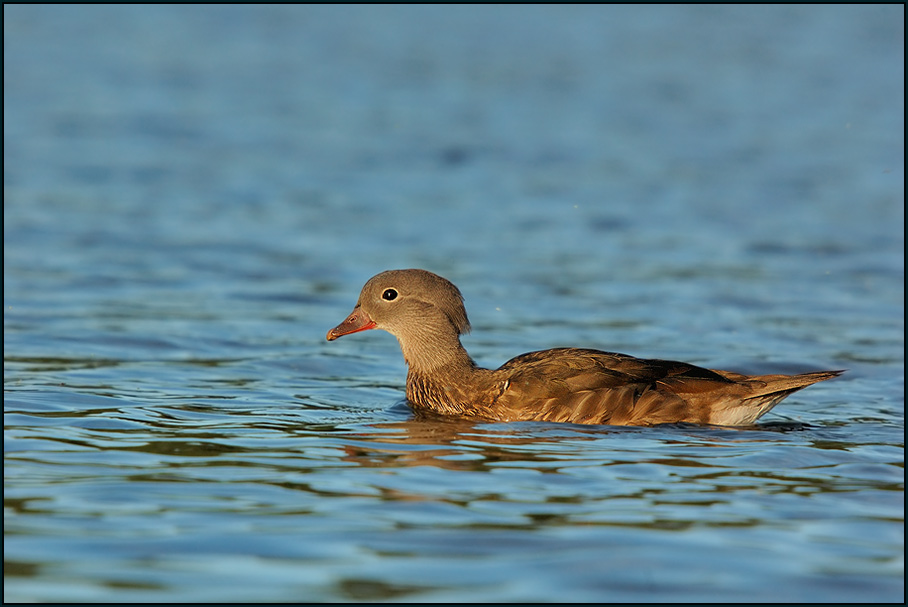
589 386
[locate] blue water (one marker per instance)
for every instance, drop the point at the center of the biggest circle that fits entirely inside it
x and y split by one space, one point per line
193 195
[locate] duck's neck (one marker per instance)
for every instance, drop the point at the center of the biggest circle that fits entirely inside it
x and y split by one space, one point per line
429 350
441 375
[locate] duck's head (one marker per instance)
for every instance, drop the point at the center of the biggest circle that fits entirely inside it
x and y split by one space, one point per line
416 306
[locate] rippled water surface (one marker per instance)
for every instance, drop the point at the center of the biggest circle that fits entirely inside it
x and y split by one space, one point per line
194 195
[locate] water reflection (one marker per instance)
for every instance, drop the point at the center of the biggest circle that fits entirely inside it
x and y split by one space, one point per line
424 488
720 460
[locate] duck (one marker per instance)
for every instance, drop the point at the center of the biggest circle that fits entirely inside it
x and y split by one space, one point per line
426 313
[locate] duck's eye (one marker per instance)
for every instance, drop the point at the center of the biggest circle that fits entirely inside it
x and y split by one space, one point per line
389 295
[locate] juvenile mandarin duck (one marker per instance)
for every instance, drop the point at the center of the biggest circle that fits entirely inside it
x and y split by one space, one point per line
426 314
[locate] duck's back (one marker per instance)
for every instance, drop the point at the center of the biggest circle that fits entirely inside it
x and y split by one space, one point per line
593 387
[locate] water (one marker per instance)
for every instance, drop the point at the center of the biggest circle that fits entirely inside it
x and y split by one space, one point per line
193 195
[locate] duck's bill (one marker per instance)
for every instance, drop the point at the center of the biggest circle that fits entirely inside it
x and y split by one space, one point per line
356 322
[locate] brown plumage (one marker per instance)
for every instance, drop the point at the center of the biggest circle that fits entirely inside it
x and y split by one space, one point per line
426 314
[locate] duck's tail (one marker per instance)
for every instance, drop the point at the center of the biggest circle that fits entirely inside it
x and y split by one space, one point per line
766 391
778 387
